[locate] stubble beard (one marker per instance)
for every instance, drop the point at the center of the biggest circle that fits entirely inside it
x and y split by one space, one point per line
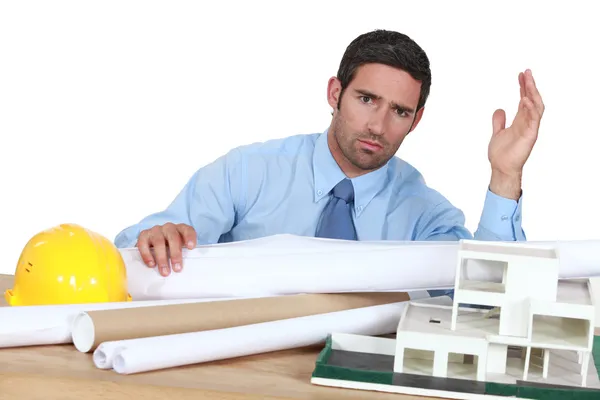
363 159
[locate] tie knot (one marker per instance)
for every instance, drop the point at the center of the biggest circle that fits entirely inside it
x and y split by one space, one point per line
344 190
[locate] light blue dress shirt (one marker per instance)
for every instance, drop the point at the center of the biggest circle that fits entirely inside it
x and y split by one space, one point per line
282 185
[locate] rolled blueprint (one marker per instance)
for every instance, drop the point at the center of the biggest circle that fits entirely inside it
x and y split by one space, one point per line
160 352
51 324
91 328
288 264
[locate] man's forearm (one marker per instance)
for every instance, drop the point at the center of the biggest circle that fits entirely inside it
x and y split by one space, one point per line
507 186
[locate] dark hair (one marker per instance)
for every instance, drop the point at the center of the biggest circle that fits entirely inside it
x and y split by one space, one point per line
390 48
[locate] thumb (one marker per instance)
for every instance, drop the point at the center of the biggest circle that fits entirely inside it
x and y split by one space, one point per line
498 121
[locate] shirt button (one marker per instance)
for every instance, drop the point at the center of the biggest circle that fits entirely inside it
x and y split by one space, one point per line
359 208
319 192
518 217
504 218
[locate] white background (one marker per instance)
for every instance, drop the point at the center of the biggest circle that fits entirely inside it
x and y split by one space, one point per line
108 107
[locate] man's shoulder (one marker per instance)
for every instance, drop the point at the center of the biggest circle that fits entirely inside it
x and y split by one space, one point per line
409 182
289 145
263 154
405 174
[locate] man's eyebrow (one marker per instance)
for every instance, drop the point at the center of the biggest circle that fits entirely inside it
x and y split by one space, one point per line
392 103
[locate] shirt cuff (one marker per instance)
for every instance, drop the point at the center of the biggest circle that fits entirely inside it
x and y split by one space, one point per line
127 238
502 217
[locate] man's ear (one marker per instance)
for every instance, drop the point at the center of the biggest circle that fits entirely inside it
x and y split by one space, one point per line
334 88
417 119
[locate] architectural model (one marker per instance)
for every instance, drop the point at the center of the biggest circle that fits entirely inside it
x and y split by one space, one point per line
533 337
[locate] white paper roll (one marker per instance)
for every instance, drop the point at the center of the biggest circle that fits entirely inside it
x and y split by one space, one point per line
104 354
288 264
160 352
51 324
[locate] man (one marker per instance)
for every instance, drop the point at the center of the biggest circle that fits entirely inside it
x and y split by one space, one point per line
346 182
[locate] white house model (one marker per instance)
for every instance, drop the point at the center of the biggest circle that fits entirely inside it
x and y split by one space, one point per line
531 311
535 327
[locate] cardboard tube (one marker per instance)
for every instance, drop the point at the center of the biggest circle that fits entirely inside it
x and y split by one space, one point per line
94 327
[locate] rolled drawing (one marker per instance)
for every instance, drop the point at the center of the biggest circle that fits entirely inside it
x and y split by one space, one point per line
51 324
160 352
91 328
288 264
104 354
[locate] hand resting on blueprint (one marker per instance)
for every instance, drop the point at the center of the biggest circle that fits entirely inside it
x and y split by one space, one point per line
161 242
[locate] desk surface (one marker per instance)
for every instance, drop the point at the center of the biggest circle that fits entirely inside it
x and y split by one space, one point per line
61 371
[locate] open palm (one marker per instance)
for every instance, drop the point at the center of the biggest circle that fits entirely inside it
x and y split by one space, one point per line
510 147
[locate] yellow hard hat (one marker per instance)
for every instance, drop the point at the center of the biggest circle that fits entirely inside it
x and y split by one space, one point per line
68 264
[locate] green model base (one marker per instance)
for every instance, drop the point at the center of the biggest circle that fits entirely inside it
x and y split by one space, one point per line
524 390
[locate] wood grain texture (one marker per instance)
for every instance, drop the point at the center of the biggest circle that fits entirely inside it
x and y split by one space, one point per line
62 372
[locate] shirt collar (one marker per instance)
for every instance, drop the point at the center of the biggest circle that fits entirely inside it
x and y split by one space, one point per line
327 174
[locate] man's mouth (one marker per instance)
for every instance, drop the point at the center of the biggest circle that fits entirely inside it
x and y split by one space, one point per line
373 146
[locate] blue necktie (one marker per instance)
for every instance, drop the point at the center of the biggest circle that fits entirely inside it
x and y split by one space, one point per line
336 220
450 293
441 292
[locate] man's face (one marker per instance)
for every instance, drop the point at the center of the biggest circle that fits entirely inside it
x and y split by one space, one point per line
377 111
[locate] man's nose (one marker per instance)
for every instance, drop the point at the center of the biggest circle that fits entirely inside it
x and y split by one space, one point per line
377 121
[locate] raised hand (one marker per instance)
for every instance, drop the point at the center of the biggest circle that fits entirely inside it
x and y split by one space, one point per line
509 148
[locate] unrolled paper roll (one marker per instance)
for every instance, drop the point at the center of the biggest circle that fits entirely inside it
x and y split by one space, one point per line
92 328
288 265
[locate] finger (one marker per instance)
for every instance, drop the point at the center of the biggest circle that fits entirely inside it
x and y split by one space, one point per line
522 84
526 121
188 235
157 241
498 121
143 246
520 122
533 92
533 115
174 243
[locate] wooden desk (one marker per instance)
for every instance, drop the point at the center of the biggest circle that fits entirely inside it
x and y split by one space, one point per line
51 372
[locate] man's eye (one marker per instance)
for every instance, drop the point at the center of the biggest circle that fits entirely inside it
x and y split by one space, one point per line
365 99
